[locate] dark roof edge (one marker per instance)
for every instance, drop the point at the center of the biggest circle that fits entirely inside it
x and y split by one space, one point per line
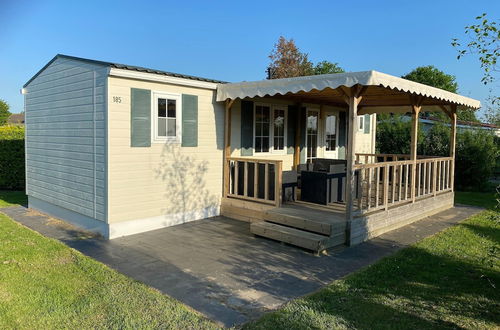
122 66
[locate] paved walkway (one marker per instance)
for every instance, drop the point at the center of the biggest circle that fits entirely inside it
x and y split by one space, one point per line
217 267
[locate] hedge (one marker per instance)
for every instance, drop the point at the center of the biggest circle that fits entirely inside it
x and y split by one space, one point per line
12 157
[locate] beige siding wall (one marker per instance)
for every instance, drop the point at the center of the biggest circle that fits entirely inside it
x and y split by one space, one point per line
365 142
164 180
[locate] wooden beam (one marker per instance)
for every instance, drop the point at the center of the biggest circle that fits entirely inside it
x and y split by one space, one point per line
296 154
354 99
446 111
227 145
453 141
416 107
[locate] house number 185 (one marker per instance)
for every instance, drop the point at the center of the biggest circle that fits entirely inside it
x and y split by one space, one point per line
117 99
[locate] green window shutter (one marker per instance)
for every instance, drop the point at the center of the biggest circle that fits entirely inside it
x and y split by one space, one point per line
140 121
342 134
367 124
303 130
189 120
246 128
291 129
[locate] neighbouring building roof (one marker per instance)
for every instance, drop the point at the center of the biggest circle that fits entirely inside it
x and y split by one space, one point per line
125 67
16 118
432 120
324 83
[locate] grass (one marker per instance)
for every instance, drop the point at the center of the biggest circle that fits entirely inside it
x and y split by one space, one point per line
450 280
11 198
44 284
482 199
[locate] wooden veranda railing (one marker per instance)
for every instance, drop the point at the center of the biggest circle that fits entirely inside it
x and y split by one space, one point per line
385 184
366 158
256 180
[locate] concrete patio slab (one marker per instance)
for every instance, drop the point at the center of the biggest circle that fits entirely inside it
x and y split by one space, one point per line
217 267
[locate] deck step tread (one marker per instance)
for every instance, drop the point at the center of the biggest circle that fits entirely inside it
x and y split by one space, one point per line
293 236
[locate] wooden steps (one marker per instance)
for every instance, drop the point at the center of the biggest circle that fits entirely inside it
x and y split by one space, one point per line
310 227
290 235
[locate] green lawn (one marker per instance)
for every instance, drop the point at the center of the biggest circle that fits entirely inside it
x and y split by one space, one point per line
445 281
450 280
9 198
45 285
483 199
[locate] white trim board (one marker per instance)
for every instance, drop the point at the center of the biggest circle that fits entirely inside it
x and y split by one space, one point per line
161 78
125 228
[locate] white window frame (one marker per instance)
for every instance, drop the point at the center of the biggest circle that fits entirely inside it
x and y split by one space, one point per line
178 117
361 123
272 108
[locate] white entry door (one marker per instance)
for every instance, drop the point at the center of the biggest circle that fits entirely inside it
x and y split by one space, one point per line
331 128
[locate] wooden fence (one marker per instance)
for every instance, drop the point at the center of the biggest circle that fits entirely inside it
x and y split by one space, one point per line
385 184
256 180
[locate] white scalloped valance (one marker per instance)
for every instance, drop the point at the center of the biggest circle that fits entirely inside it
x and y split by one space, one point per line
320 82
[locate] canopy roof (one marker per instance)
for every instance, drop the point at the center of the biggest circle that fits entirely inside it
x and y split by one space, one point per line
384 93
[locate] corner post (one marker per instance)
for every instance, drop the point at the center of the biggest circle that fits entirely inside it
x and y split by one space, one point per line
453 139
416 107
352 96
227 145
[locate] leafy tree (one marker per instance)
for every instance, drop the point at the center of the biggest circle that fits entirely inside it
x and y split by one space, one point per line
484 42
492 114
4 112
432 76
326 67
288 61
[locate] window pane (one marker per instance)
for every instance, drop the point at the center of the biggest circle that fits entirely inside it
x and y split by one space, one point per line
279 129
262 122
162 108
162 127
331 128
265 129
258 144
171 108
171 127
258 129
265 144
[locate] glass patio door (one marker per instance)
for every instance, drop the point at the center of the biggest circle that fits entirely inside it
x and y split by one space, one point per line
330 135
312 134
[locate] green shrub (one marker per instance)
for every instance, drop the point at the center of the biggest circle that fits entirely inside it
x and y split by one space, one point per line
394 134
476 156
12 157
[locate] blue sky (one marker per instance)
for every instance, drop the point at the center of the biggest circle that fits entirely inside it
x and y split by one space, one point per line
230 40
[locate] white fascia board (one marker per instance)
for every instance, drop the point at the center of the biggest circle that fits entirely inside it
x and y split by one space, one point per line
161 78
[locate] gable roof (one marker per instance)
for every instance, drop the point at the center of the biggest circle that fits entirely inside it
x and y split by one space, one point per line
322 86
16 118
125 67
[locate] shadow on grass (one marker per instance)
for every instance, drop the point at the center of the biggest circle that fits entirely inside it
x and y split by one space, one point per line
13 197
414 289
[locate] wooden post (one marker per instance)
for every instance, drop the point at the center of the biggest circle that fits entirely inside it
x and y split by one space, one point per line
416 107
453 140
227 145
352 97
296 154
